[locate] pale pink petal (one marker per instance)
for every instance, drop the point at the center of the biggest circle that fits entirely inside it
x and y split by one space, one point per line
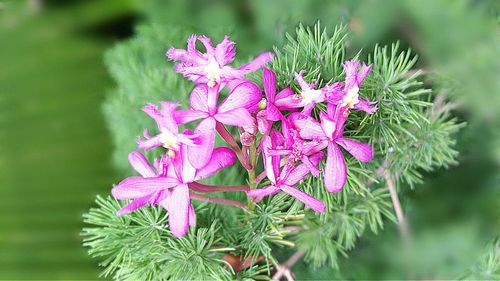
135 204
199 98
239 117
191 216
257 63
350 69
188 171
327 124
207 43
271 163
363 72
222 157
305 198
178 211
245 95
135 187
164 117
200 154
225 51
361 151
304 86
150 143
141 164
335 173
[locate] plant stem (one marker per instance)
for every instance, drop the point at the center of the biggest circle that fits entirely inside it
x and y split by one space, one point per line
199 187
252 157
221 201
224 133
284 269
403 227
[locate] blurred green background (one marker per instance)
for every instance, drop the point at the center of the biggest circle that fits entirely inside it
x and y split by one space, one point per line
55 150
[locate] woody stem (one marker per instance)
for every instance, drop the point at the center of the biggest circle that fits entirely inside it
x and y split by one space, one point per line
221 201
224 133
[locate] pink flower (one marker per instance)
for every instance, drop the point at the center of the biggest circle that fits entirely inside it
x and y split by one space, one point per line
349 96
329 134
284 180
211 67
308 96
272 104
169 136
235 110
168 185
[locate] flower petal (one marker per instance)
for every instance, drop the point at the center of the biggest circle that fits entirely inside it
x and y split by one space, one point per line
239 117
366 106
135 204
269 81
222 157
361 151
263 192
307 199
335 173
149 143
187 116
191 216
245 95
271 162
164 117
200 154
135 187
199 98
225 51
141 164
327 124
257 63
178 211
302 170
309 128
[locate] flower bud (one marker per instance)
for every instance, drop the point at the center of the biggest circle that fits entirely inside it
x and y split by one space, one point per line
246 138
262 104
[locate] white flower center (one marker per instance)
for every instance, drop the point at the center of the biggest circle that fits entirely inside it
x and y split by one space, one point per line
169 140
213 71
310 95
351 98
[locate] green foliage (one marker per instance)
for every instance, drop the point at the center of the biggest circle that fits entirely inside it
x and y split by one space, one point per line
488 267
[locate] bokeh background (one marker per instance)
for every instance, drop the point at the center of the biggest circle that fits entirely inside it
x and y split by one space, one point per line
56 150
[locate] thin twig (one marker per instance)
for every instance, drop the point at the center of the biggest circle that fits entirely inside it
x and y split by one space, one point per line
403 227
285 268
199 187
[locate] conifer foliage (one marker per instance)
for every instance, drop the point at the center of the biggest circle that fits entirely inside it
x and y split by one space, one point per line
320 155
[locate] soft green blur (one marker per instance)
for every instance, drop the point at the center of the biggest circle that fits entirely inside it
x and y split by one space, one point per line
55 150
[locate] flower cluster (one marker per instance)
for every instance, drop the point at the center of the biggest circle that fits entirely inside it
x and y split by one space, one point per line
288 154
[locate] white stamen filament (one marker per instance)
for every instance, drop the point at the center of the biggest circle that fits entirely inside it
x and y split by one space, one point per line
213 71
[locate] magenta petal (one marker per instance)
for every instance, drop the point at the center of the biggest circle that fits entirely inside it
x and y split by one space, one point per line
134 205
335 173
263 124
269 81
302 170
366 106
363 72
263 192
285 93
135 187
291 102
257 63
239 117
200 154
222 157
305 198
309 128
273 113
186 116
271 163
178 211
361 151
225 51
141 164
245 95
